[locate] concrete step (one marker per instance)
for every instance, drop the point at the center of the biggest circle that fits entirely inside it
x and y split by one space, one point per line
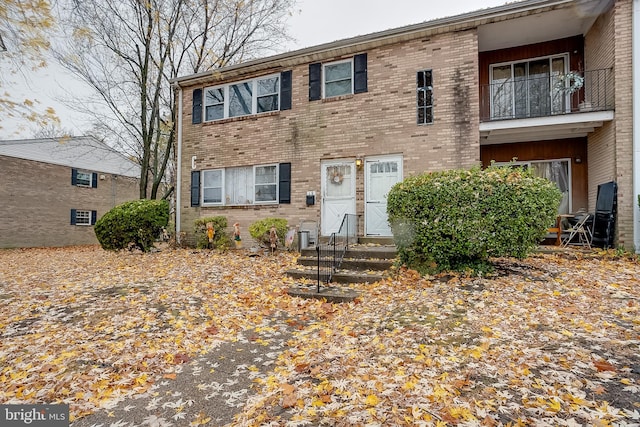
357 264
360 252
340 276
363 262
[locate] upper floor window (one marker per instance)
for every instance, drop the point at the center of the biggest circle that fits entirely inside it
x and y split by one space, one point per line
529 88
243 98
338 78
425 97
259 95
84 179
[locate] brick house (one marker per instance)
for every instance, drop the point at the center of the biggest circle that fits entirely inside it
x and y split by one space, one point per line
533 80
54 190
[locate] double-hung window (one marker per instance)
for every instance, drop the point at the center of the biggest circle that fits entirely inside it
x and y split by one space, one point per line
254 96
266 183
83 217
338 78
268 94
241 185
425 97
214 103
212 186
84 179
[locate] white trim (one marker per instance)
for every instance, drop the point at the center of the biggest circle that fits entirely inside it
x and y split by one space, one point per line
78 172
373 159
277 184
576 118
223 197
179 168
324 164
254 97
88 217
324 77
565 56
202 187
562 159
635 58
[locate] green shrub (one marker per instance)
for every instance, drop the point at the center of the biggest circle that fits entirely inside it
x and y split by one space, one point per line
221 239
457 219
132 224
259 230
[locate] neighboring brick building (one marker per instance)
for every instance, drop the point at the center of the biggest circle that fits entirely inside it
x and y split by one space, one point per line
532 80
54 190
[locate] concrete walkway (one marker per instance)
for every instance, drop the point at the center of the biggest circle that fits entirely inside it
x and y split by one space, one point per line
209 390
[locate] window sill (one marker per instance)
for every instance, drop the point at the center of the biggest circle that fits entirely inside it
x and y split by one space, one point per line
337 98
242 118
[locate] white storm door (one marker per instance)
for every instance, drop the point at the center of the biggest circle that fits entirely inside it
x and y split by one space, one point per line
381 174
338 194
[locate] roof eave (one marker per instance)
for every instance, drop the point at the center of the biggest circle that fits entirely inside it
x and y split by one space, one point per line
363 42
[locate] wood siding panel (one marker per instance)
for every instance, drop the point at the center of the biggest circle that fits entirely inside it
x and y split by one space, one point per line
574 46
546 150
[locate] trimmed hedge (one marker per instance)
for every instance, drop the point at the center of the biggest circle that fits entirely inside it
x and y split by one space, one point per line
132 224
457 219
259 230
221 239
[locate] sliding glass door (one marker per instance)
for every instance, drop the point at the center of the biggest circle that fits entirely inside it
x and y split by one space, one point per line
530 88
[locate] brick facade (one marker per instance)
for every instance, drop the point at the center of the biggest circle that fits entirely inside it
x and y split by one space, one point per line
378 122
38 198
382 121
624 122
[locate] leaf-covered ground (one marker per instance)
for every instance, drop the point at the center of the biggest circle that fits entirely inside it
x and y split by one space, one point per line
551 340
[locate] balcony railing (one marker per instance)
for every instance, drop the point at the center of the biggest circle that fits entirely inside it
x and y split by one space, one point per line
547 95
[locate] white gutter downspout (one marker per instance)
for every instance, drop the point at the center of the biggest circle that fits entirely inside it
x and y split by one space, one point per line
635 58
179 168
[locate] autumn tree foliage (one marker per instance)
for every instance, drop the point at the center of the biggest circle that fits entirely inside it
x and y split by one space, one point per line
134 224
25 28
457 219
128 51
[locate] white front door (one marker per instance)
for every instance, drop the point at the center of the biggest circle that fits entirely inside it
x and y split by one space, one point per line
381 173
338 193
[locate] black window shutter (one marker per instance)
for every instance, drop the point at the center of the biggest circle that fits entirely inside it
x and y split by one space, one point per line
285 90
74 176
94 180
73 217
315 81
360 73
284 195
195 188
196 113
94 217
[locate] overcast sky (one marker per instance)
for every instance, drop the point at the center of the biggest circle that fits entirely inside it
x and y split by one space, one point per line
314 22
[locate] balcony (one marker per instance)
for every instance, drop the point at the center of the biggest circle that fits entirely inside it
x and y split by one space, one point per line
545 106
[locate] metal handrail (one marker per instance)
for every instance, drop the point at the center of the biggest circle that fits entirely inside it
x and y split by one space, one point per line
330 255
549 95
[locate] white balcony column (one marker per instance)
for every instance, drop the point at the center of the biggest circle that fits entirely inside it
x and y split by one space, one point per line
636 121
